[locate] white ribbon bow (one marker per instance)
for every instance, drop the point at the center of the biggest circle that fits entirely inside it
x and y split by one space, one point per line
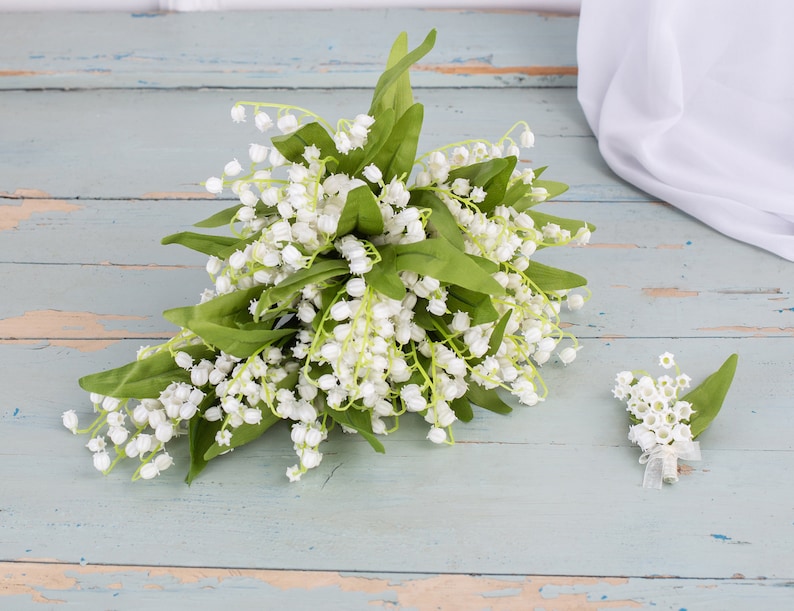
662 462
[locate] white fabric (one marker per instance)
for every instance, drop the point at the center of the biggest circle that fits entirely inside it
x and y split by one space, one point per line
693 102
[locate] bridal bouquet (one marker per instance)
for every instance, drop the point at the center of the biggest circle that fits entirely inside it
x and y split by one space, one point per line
664 425
359 284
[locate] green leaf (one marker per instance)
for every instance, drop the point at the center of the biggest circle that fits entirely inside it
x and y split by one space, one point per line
707 398
396 157
516 193
207 244
552 279
383 276
143 379
519 196
360 421
541 220
243 434
441 222
201 434
239 341
498 333
462 409
353 162
293 145
320 271
438 258
226 323
487 399
220 308
554 188
219 219
224 217
361 213
492 175
390 91
479 306
399 95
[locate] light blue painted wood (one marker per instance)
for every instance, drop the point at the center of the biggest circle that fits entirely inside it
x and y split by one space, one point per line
129 144
554 489
333 48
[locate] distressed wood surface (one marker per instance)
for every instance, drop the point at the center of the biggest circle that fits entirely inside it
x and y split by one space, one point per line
110 122
284 49
145 143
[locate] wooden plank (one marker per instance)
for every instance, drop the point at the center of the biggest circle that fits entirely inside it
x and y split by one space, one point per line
689 293
258 49
557 487
91 179
140 144
28 585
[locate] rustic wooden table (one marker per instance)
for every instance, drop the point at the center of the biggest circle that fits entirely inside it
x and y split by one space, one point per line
108 123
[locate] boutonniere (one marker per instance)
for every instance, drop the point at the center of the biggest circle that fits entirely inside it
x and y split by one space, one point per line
665 420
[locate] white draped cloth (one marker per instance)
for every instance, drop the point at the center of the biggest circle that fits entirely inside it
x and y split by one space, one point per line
693 102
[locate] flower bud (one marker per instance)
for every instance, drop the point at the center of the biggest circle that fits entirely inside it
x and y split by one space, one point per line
102 461
163 461
437 435
213 414
287 123
233 168
118 434
252 416
257 152
164 431
110 404
149 471
237 261
310 458
372 173
183 360
214 185
70 420
143 443
238 113
263 121
575 302
567 355
96 444
527 139
313 437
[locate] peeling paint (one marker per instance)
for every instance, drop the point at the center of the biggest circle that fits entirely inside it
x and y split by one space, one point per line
84 331
475 66
669 292
25 73
32 202
440 592
756 331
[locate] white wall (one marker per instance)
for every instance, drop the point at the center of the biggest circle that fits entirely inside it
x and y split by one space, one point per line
561 6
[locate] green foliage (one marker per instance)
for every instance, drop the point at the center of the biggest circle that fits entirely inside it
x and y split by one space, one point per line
360 214
142 379
707 398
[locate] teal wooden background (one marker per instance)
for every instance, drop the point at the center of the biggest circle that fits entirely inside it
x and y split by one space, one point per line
108 124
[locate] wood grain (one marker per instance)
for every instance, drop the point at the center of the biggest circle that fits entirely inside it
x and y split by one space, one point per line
110 122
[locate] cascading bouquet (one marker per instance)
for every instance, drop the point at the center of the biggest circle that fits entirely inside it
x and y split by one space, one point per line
346 296
664 425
